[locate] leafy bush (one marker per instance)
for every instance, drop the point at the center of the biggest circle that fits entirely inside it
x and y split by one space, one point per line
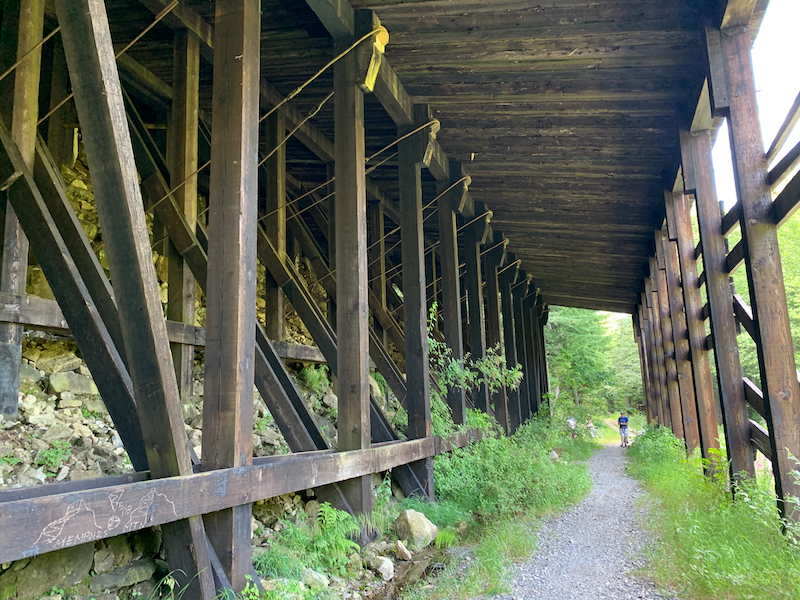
322 545
710 543
315 379
52 458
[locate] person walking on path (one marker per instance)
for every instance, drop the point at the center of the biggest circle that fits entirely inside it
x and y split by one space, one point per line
623 429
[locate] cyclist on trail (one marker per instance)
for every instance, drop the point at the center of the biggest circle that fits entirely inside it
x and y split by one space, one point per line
623 429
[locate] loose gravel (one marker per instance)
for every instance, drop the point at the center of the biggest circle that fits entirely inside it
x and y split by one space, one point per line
588 553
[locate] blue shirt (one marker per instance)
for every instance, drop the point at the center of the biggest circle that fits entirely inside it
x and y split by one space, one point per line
622 421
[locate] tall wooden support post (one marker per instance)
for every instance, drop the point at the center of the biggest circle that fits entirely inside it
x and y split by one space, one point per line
98 98
691 430
14 259
506 280
494 259
451 284
352 316
61 124
377 262
473 282
679 212
275 221
649 344
544 380
330 172
667 342
411 153
638 334
182 157
9 32
231 298
658 347
763 262
530 324
519 291
696 157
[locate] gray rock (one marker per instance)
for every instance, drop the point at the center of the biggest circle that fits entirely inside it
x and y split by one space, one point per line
72 382
122 551
401 551
384 566
136 572
94 404
312 508
414 527
375 388
331 400
62 569
271 437
58 360
190 412
58 432
42 420
29 374
553 455
103 560
314 580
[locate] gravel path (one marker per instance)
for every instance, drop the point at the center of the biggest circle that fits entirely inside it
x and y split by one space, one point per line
588 552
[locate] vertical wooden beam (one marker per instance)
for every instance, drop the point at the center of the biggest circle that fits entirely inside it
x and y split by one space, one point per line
679 212
231 290
519 291
352 316
696 155
451 285
652 367
506 280
182 160
638 333
98 98
377 263
14 260
658 347
763 263
493 260
691 431
275 219
544 378
533 355
415 313
473 282
667 342
9 32
60 125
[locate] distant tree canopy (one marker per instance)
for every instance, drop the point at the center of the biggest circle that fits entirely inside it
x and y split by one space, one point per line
593 361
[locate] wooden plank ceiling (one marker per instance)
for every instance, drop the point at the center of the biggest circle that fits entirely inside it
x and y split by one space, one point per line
564 112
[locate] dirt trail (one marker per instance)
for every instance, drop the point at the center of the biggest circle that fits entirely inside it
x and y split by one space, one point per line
588 552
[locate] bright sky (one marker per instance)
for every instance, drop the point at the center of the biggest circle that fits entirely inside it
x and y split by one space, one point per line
775 63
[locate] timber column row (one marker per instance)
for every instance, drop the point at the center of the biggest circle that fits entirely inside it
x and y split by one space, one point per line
683 315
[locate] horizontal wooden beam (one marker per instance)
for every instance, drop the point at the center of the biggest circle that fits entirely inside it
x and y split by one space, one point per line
731 219
754 397
735 258
744 315
760 437
33 525
785 205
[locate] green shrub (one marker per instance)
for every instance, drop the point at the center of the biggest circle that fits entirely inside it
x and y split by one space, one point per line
710 544
52 458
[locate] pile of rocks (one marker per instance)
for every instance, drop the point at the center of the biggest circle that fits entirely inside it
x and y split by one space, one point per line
126 566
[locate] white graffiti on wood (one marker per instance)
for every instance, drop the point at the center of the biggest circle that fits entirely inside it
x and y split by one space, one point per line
82 523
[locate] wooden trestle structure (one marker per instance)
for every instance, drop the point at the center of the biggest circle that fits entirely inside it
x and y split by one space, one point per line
564 123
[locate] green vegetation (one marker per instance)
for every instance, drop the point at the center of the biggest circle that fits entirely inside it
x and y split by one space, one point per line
710 545
9 459
498 488
593 362
315 379
52 458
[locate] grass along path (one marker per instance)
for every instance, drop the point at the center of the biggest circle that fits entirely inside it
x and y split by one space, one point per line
589 551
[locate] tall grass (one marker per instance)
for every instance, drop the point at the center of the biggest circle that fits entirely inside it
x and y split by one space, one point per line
710 545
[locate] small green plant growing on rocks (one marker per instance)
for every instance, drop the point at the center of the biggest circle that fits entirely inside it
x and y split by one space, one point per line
52 458
315 377
9 459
